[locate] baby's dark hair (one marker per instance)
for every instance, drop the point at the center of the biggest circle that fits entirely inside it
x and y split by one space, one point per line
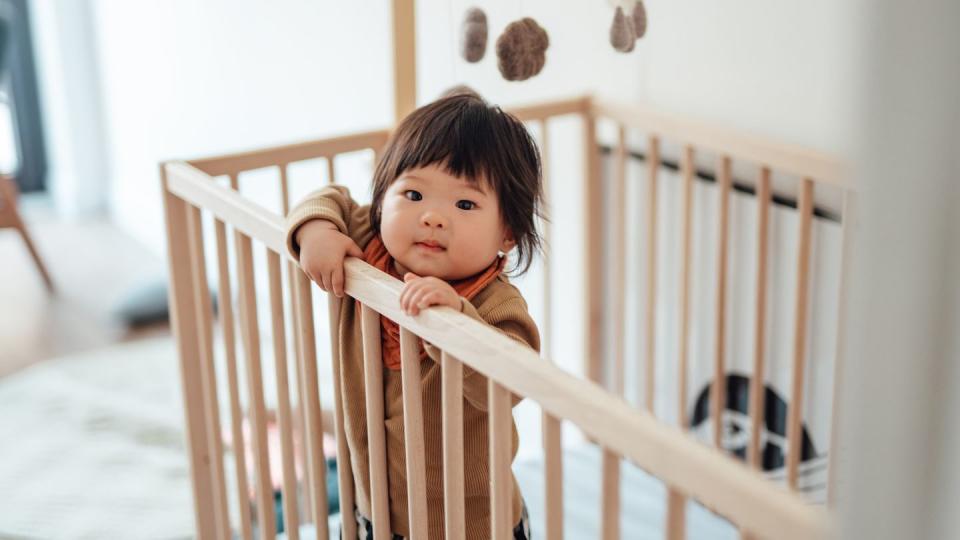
471 139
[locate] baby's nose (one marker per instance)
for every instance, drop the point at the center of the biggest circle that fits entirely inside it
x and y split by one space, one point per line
434 220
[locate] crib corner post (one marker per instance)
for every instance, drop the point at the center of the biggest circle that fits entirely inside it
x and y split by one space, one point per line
592 252
183 319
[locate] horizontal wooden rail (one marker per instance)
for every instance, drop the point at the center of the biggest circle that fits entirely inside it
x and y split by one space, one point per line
549 109
291 153
786 158
729 487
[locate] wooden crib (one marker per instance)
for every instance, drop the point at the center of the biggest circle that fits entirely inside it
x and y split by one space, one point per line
688 468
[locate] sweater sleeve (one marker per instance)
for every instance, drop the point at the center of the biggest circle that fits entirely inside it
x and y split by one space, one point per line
334 204
509 317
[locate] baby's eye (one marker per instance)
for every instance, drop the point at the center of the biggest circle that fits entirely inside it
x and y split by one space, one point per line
466 205
413 195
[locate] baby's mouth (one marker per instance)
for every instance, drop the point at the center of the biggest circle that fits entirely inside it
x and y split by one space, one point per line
430 245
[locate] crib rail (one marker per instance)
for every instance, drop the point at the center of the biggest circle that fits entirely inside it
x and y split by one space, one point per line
690 470
722 484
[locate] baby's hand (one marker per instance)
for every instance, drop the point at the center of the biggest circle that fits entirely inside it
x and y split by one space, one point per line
322 250
422 292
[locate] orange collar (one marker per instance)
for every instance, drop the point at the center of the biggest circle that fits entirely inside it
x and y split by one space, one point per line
376 255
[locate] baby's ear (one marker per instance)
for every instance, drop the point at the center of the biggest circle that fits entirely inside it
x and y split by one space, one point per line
508 242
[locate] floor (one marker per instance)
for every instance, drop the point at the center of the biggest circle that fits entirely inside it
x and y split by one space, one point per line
94 267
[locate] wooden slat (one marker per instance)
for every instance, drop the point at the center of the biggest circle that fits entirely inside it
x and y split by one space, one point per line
201 292
676 502
687 172
553 471
451 397
718 397
331 170
238 162
344 468
297 356
291 518
619 255
413 433
757 419
227 328
849 220
184 324
310 401
552 447
250 331
592 238
653 167
676 527
610 496
373 381
404 58
795 409
501 487
722 140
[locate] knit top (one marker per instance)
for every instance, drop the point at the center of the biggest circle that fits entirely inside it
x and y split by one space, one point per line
499 305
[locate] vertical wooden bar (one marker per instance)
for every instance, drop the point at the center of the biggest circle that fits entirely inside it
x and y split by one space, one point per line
201 292
676 502
610 496
760 322
250 331
413 433
501 518
849 216
795 410
552 449
592 238
687 171
310 400
299 418
653 167
183 313
718 391
451 397
676 520
290 509
227 325
373 380
348 525
619 260
404 58
331 170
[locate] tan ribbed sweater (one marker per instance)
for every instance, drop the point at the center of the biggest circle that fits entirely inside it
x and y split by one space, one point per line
499 305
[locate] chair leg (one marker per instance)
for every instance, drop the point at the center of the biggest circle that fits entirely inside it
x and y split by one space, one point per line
10 217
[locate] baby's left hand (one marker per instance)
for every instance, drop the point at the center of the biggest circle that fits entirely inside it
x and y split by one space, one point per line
423 292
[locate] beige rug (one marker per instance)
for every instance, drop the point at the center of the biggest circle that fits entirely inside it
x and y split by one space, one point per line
91 446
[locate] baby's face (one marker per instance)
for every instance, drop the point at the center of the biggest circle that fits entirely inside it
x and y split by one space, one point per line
436 224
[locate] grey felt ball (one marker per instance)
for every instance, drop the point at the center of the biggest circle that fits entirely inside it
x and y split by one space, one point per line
622 35
521 50
473 38
639 17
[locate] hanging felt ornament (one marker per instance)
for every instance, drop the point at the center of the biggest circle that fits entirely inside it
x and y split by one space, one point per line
622 35
473 39
639 17
521 50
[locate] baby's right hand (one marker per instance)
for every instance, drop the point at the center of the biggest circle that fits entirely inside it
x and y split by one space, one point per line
322 250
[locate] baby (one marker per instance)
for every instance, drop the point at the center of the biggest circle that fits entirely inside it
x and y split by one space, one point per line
458 188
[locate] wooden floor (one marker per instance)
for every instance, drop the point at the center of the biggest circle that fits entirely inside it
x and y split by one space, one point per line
94 266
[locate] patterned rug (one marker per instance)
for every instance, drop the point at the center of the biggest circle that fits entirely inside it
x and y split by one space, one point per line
92 447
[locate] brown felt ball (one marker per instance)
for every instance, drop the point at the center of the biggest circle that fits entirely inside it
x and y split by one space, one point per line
622 35
473 41
639 17
521 50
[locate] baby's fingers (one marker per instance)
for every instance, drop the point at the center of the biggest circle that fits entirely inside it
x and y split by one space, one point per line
336 281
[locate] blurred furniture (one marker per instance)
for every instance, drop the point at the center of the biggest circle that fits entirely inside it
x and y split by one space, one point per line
10 218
